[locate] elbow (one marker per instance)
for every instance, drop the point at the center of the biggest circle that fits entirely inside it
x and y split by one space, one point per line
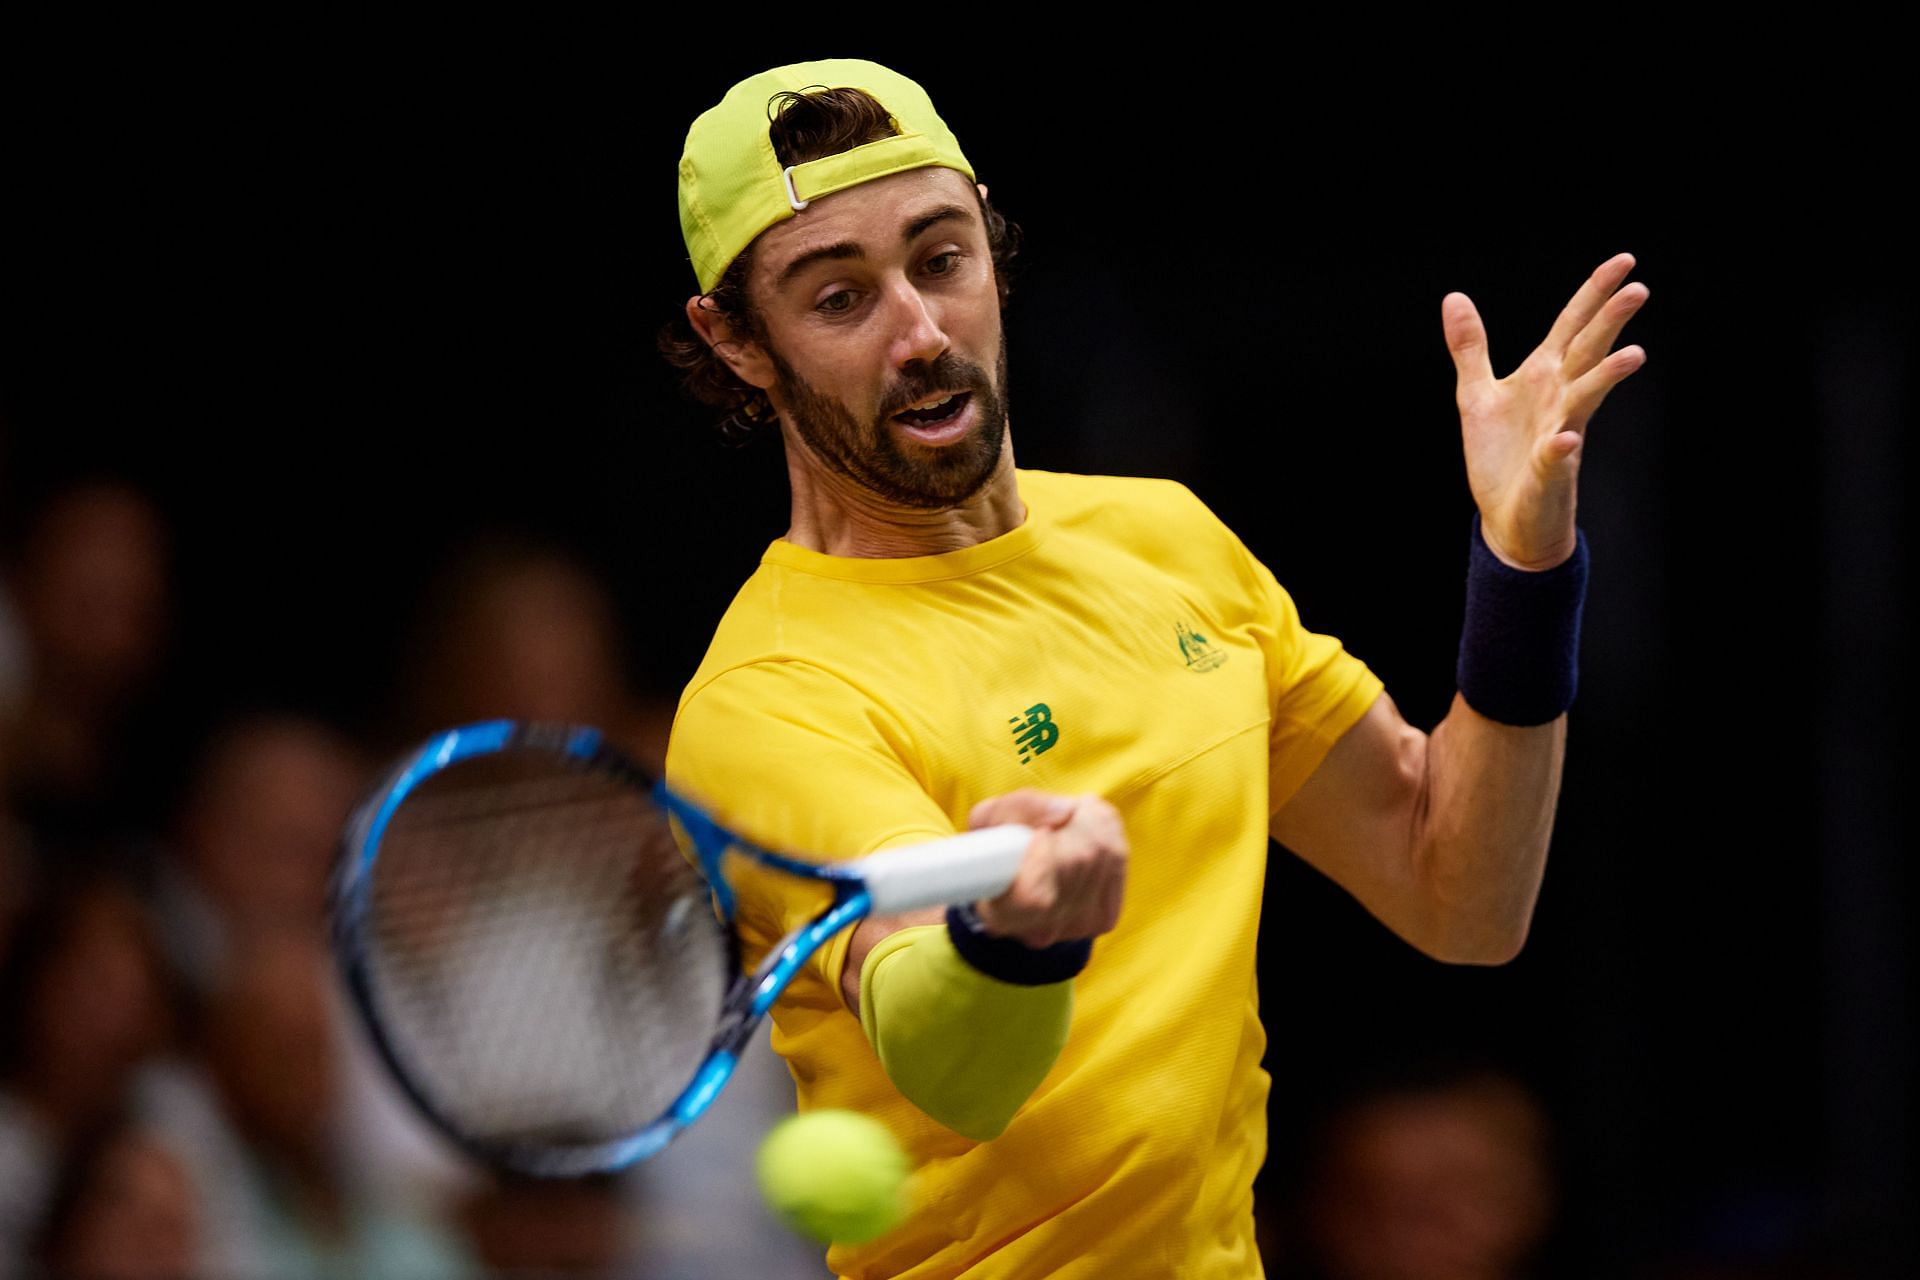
1485 944
1469 932
973 1074
976 1119
1471 917
1503 949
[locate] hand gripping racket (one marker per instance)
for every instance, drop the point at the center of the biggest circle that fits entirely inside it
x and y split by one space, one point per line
550 979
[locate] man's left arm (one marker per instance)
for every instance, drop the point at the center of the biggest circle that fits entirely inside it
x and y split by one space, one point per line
1444 836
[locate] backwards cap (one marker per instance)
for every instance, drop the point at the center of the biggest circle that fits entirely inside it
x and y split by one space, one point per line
733 186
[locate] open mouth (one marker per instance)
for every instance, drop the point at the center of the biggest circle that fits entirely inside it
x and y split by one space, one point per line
934 414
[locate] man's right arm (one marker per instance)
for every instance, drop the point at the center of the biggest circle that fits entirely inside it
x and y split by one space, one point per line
968 1012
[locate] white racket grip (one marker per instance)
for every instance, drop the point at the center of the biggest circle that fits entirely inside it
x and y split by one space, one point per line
963 868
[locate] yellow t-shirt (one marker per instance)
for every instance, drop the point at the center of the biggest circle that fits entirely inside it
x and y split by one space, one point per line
1122 642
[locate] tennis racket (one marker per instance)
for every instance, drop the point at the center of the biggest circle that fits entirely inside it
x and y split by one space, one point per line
550 979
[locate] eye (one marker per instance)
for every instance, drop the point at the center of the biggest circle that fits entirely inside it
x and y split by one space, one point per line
841 300
942 264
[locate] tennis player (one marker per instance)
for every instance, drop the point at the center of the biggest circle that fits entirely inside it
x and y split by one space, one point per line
941 640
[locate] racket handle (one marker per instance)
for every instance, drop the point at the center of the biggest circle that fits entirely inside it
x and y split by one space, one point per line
963 868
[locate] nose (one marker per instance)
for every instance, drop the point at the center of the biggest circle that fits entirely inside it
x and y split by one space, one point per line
917 334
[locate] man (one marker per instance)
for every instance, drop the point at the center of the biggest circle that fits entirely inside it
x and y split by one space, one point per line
941 641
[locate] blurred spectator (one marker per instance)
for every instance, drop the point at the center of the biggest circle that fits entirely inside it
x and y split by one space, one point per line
14 662
701 1210
524 634
123 1209
84 1001
253 1125
91 593
574 1228
256 838
1446 1177
16 878
252 852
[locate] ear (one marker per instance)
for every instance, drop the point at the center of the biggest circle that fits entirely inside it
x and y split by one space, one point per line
983 189
746 358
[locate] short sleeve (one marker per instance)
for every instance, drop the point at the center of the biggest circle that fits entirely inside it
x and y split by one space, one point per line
796 759
1315 688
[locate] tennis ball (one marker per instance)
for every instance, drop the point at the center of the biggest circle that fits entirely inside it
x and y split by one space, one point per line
837 1176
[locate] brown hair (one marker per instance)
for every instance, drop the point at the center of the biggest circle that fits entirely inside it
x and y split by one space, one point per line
804 126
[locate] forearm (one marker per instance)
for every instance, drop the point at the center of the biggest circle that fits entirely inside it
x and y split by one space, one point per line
965 1047
1492 774
968 1008
1443 836
1480 831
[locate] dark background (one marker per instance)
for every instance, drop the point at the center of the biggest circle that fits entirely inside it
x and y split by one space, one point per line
343 304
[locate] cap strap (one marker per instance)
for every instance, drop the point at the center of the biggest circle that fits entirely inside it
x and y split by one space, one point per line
808 182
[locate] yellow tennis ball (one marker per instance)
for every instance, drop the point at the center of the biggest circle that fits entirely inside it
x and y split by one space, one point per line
837 1176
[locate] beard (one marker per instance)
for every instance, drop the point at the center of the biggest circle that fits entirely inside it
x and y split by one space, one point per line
874 457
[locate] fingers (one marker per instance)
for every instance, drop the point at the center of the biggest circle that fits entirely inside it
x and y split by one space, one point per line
1585 395
1034 808
1466 340
1592 343
1072 882
1558 447
1587 302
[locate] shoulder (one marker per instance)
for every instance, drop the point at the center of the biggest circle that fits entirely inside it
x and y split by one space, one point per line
1118 501
1147 513
1161 522
761 638
785 714
749 623
801 695
793 756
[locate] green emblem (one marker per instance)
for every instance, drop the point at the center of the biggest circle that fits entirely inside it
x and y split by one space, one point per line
1034 732
1194 648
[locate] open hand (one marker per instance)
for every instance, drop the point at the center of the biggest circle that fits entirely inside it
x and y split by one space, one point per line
1524 433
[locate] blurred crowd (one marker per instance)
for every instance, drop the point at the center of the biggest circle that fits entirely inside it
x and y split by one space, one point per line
182 1090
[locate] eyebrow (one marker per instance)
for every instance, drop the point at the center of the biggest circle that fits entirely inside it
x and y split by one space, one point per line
848 249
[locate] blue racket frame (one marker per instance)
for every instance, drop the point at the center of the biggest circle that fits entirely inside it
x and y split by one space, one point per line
748 997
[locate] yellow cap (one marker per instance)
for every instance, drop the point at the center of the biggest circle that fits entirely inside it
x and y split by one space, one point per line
733 187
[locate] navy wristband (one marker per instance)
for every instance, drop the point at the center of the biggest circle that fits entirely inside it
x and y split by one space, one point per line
1011 960
1520 645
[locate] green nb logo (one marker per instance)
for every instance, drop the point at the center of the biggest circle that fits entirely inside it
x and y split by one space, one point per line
1034 732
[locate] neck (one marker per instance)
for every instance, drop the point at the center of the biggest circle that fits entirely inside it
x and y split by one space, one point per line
835 516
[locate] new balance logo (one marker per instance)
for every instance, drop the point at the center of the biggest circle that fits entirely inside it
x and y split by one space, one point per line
1035 732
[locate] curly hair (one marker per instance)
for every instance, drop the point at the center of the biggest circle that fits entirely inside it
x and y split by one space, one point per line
804 126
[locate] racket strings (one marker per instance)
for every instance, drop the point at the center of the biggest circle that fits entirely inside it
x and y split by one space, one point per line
549 966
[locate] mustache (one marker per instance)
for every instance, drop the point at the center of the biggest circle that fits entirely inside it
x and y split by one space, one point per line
947 372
